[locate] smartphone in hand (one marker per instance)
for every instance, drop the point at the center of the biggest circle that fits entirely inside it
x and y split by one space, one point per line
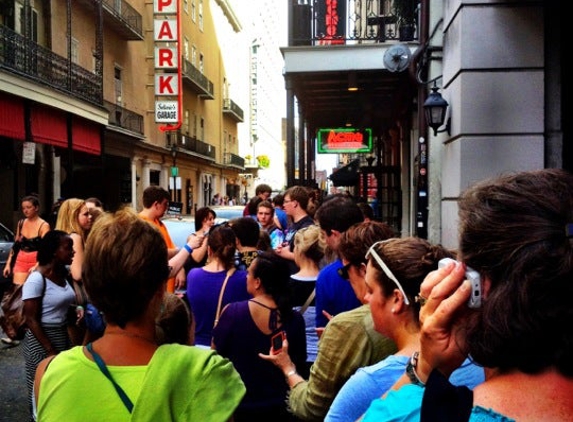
473 276
277 342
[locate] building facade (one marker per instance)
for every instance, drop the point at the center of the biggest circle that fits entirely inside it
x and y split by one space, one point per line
77 106
499 65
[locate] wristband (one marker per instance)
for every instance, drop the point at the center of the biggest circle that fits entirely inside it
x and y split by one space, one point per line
187 248
411 370
290 373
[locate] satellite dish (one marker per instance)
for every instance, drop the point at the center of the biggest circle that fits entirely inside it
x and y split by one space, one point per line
397 58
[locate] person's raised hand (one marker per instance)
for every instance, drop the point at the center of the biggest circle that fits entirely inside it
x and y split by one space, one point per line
443 295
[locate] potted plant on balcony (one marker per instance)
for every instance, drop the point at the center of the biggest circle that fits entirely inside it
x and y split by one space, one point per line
264 161
406 11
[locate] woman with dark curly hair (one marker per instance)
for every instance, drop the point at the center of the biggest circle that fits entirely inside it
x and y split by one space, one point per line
205 284
516 231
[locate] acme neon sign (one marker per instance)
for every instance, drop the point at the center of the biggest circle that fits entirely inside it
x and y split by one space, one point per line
344 140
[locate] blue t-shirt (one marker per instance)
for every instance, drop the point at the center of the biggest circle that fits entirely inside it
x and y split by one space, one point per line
405 404
371 382
282 217
333 293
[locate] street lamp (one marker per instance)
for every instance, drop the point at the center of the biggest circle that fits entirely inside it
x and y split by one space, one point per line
435 110
174 170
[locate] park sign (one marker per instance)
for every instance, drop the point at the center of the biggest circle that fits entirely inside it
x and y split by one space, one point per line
167 53
344 141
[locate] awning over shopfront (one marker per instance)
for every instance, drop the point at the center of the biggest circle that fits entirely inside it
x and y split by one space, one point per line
12 117
348 175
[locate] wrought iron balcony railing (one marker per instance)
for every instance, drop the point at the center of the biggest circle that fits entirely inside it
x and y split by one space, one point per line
234 160
191 144
124 118
196 80
29 60
127 16
233 110
120 16
329 22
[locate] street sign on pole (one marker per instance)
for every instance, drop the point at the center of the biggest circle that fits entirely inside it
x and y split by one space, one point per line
174 171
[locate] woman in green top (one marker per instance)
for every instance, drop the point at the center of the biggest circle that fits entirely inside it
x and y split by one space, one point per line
125 375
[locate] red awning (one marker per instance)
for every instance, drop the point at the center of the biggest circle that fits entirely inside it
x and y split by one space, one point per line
86 136
49 126
12 117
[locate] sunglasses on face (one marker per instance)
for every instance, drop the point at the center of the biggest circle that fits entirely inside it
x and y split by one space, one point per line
343 271
372 252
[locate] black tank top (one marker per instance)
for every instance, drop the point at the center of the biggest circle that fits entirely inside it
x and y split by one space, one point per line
32 244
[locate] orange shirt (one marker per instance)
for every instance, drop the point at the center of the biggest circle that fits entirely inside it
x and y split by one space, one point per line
170 245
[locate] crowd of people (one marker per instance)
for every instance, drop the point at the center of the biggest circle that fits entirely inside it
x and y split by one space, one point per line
304 309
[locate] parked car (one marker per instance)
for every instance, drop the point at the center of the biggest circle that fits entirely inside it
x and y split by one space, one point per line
180 227
6 242
227 212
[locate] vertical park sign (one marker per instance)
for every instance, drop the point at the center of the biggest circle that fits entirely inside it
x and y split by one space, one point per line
167 56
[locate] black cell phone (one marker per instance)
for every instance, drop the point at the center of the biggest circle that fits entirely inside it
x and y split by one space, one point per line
277 342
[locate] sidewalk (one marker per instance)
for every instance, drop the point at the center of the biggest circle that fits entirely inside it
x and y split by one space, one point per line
13 393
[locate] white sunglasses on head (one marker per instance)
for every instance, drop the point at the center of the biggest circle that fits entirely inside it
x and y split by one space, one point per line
372 252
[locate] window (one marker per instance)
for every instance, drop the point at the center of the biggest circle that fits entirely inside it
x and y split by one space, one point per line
193 11
202 129
186 6
201 68
75 48
194 55
20 25
195 118
118 85
201 15
186 122
186 48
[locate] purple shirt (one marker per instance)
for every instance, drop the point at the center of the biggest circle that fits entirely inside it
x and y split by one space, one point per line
203 290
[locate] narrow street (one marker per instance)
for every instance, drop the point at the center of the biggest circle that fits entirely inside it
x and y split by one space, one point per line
13 403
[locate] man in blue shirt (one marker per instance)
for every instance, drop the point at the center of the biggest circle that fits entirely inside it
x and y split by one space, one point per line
334 293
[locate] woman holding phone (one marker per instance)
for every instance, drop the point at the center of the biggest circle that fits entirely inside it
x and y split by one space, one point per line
516 231
256 326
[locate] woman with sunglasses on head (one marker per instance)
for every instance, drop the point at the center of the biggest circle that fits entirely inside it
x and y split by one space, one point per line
516 232
217 278
394 273
349 340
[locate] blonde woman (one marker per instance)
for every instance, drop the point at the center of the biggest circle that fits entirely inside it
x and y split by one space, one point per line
28 232
75 219
309 246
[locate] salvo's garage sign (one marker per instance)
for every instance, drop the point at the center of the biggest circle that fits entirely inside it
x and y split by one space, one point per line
167 69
